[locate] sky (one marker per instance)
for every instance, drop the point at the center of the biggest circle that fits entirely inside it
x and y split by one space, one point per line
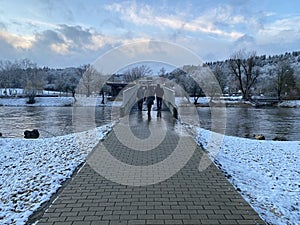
64 33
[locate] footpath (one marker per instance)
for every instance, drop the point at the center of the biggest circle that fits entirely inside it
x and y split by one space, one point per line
133 177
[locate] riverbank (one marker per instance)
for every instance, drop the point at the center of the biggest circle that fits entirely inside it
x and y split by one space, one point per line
232 102
57 102
31 171
39 101
97 101
266 173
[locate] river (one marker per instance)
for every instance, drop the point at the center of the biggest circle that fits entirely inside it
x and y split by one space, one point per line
50 121
56 121
246 122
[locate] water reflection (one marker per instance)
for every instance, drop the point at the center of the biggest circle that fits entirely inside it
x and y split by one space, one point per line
50 121
241 122
245 122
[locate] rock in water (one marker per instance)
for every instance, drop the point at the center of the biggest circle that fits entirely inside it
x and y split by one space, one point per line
278 138
31 134
260 137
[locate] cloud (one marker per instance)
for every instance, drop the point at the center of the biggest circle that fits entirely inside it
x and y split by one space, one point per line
223 15
209 29
246 39
54 8
246 42
2 26
130 11
38 25
205 24
281 30
64 45
66 40
23 42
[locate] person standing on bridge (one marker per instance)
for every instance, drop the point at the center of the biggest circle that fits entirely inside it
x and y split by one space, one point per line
140 97
150 99
159 92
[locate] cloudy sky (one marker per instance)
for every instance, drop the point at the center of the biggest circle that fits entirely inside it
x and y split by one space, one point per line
63 33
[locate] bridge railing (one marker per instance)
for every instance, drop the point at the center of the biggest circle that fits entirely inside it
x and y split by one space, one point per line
169 99
129 99
264 101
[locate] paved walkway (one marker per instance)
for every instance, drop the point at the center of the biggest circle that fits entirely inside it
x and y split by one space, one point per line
147 172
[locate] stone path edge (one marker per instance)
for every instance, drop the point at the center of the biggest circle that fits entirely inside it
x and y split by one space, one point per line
38 213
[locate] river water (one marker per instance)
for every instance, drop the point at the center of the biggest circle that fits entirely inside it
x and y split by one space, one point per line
246 122
51 121
56 121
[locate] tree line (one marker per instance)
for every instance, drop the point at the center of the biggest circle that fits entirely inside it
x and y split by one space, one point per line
255 75
247 74
244 72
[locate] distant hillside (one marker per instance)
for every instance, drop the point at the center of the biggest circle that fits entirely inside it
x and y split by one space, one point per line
266 82
268 67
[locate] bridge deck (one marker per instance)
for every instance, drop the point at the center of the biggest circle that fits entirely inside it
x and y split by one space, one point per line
109 192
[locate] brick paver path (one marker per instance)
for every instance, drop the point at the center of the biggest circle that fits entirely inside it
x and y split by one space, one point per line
125 190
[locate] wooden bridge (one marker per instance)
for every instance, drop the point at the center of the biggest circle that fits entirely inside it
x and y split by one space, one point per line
265 101
129 99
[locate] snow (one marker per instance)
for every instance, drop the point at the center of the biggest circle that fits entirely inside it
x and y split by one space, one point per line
59 101
182 101
266 172
291 103
204 101
31 171
12 92
96 101
39 101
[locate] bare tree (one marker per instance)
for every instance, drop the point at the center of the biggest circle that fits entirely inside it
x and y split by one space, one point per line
162 72
244 67
220 76
4 76
20 74
35 82
284 78
9 75
137 72
99 85
86 82
92 81
196 91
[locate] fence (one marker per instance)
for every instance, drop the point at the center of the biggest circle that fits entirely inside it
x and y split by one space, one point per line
129 99
169 99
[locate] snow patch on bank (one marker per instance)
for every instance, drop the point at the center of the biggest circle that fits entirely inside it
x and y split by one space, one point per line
39 101
205 101
31 171
59 102
291 103
266 172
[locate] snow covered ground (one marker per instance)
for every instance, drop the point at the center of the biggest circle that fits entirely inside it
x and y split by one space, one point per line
267 173
204 101
291 103
58 101
39 101
96 101
32 170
